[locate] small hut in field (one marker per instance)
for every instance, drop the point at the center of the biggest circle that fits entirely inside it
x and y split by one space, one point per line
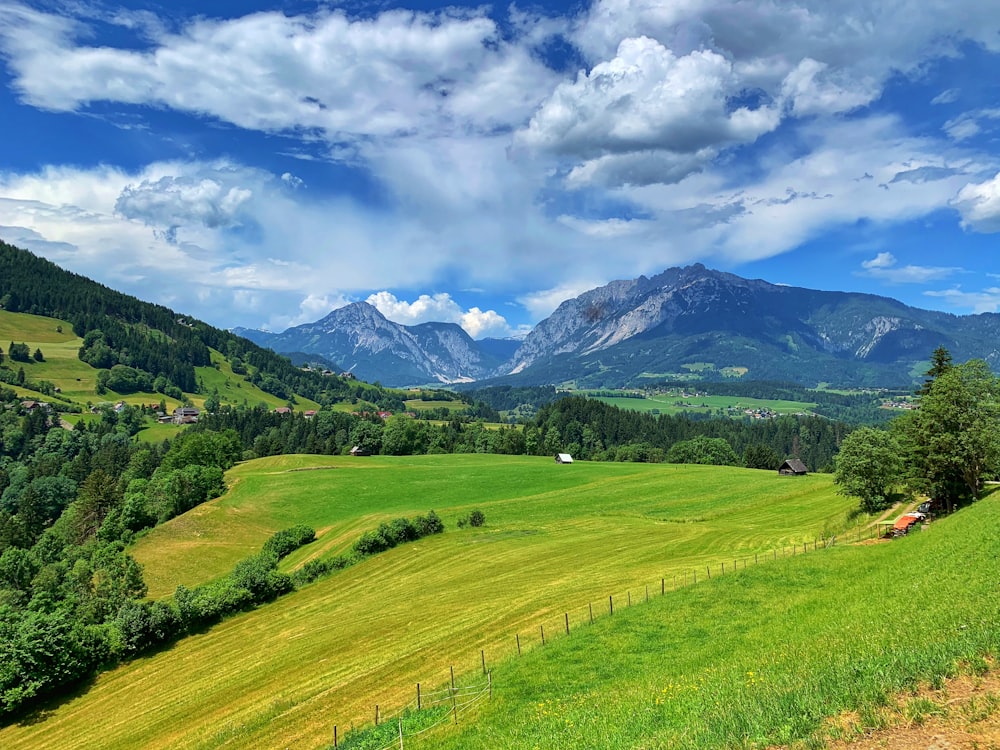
564 458
793 467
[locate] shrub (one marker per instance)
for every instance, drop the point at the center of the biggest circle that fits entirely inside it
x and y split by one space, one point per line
474 518
284 542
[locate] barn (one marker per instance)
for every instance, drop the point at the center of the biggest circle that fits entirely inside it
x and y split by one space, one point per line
793 467
564 458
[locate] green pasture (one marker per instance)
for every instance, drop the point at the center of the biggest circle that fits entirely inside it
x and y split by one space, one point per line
643 514
417 405
752 657
759 659
233 389
62 367
706 404
557 538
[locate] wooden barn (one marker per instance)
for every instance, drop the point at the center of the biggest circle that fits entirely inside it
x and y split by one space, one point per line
793 467
564 458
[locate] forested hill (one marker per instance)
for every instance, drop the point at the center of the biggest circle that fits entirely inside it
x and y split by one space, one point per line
120 329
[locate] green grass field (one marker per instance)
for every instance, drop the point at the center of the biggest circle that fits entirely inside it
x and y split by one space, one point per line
761 658
754 657
557 538
643 514
706 404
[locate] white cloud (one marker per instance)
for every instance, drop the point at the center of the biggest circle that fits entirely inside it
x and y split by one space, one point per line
970 124
173 201
603 228
985 301
948 96
853 46
397 73
979 205
440 308
646 99
883 266
543 303
882 260
814 88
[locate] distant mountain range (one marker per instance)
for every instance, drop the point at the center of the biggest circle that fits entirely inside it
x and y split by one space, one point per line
359 339
684 322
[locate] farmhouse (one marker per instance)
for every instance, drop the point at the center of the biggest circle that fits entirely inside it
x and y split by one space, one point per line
282 410
564 458
793 467
186 415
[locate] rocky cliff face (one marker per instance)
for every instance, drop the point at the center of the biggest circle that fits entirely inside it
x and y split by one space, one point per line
692 316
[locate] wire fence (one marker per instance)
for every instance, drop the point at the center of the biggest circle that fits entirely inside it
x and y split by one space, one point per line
428 711
432 709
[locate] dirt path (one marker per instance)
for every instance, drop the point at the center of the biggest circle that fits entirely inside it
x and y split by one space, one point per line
964 714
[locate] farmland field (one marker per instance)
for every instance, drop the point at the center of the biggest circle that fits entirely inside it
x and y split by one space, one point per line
704 405
556 539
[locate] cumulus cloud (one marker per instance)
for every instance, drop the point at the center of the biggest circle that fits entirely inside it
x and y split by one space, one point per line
979 205
646 99
174 201
440 308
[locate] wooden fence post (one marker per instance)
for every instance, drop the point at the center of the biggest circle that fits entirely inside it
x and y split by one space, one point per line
335 736
591 605
647 592
453 678
567 623
482 654
376 714
489 681
542 629
663 586
518 637
611 604
629 595
708 570
418 696
400 734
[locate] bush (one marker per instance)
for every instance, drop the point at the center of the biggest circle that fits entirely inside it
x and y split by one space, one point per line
429 524
284 542
475 518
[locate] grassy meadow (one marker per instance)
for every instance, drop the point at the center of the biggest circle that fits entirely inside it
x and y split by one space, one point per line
666 404
556 539
765 657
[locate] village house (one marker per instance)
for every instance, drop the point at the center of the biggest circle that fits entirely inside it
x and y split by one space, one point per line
186 415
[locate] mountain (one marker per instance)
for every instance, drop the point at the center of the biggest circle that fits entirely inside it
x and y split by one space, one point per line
359 339
695 320
689 322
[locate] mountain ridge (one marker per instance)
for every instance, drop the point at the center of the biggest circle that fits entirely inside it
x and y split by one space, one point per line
682 321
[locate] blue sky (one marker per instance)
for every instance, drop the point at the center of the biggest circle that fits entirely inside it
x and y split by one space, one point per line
260 164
